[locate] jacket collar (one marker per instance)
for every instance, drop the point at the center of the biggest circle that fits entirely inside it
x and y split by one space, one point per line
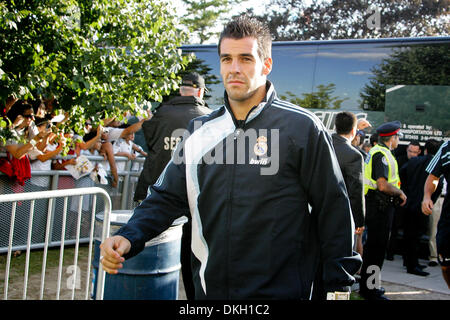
256 110
186 100
341 138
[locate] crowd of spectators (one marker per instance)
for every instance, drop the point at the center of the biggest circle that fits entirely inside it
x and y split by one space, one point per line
35 142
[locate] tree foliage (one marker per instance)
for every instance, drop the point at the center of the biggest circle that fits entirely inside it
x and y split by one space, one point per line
320 99
92 55
203 15
294 20
412 66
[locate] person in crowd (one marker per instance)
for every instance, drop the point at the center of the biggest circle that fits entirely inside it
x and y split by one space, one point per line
351 163
91 147
413 150
382 191
162 130
440 166
362 124
358 140
25 137
373 140
93 135
253 233
366 146
41 160
127 148
432 226
39 108
10 101
413 176
109 136
161 137
23 127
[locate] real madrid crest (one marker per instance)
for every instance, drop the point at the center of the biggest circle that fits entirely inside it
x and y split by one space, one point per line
260 147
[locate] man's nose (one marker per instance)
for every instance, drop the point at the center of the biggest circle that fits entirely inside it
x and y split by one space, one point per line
235 66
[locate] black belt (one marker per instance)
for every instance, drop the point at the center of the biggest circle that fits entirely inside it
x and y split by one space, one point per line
383 198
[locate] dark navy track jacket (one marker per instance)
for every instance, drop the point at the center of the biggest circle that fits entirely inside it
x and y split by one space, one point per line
270 213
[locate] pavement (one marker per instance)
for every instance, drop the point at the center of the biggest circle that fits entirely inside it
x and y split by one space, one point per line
398 284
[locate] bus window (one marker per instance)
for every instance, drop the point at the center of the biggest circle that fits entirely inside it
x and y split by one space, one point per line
344 73
293 69
207 64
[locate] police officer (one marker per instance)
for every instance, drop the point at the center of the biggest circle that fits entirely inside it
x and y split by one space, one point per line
162 135
382 192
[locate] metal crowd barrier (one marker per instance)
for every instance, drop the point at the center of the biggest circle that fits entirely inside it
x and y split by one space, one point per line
52 196
121 199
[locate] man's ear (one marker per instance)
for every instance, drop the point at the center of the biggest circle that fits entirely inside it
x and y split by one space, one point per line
267 68
354 130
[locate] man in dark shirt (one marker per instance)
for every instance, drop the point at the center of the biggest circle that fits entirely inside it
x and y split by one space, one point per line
413 150
413 177
162 130
440 166
351 163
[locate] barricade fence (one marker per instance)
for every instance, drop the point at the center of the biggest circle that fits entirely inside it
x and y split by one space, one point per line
121 198
29 200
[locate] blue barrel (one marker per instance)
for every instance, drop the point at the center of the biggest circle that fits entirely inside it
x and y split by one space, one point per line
153 274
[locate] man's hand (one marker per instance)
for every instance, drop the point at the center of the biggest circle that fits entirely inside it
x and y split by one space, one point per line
112 251
359 230
362 124
427 206
428 189
404 198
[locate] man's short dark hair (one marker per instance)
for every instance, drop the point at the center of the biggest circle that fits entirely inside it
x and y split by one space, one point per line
373 138
245 26
414 143
432 146
345 121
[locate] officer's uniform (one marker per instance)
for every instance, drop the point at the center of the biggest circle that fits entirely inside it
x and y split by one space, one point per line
380 162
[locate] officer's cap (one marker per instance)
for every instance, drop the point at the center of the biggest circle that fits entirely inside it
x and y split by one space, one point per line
194 80
389 129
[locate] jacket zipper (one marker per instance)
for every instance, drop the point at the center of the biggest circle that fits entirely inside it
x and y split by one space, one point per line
240 126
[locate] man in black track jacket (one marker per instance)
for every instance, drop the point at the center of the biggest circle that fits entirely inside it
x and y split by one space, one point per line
270 213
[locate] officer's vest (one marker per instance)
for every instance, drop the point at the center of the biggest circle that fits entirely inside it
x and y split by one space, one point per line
393 178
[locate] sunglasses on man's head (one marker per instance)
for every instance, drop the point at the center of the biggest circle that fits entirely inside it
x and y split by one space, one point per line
29 116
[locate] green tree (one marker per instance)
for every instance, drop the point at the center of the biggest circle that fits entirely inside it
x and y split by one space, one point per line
412 66
92 55
295 20
320 99
203 15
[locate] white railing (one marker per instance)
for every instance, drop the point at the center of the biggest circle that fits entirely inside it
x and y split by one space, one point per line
51 195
